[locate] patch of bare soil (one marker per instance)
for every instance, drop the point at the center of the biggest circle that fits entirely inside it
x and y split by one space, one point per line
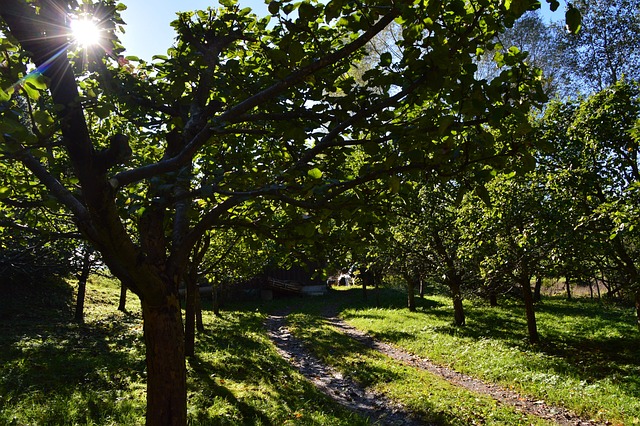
379 409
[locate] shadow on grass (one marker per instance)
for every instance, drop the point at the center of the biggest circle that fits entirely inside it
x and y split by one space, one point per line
582 338
237 363
56 371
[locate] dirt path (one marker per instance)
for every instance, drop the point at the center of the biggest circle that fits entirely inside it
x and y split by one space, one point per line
559 415
380 409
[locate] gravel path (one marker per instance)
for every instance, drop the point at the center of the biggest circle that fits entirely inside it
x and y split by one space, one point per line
380 409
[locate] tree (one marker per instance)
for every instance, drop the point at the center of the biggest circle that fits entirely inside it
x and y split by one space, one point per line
605 49
237 113
595 164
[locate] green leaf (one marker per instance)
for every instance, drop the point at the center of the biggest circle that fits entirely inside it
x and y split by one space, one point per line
315 173
274 7
483 194
385 59
394 184
4 192
332 10
4 96
574 19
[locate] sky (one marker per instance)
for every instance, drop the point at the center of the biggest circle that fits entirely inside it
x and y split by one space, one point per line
148 31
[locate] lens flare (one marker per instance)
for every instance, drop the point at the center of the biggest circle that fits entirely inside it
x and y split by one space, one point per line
85 32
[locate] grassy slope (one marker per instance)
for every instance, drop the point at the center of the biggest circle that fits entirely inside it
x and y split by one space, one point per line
56 372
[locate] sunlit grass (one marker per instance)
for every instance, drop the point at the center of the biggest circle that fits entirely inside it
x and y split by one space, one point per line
588 361
57 372
429 396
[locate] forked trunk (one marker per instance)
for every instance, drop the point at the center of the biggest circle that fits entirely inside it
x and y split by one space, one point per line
166 371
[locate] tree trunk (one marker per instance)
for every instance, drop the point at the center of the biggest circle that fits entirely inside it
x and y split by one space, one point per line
421 282
376 282
190 317
638 308
166 371
364 279
82 285
456 295
199 322
527 296
537 290
215 299
493 298
568 287
122 304
411 293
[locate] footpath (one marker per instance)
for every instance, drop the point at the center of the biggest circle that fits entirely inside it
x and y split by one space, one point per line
378 408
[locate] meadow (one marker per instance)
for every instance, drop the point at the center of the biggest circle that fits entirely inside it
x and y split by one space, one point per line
57 371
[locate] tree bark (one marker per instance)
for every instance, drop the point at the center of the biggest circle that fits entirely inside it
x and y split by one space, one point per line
365 278
567 285
456 295
190 317
638 308
377 277
215 298
82 285
537 290
411 293
122 304
166 371
493 298
199 322
527 296
421 288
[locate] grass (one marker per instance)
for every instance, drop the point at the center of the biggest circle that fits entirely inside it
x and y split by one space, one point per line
432 398
588 361
57 372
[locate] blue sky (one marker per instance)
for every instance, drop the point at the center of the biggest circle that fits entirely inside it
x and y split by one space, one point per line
148 32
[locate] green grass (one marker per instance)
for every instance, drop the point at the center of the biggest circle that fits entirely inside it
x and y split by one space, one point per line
588 361
432 398
57 372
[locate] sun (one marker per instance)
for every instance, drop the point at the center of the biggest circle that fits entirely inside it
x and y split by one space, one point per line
85 32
